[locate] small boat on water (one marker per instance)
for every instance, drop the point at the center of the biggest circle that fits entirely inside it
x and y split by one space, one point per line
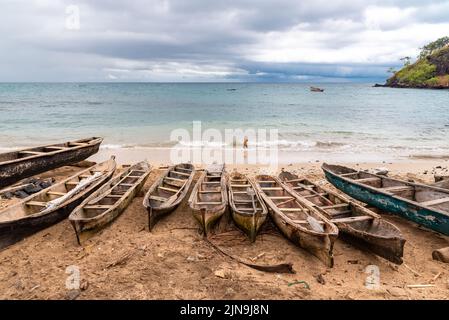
424 204
108 202
248 209
209 198
168 191
21 164
53 204
357 224
299 221
316 89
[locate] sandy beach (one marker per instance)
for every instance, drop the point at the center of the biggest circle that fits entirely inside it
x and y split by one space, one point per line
125 261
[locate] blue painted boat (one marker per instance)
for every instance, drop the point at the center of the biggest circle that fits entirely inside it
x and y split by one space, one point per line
426 205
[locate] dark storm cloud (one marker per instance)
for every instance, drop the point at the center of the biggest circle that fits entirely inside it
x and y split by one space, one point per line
236 40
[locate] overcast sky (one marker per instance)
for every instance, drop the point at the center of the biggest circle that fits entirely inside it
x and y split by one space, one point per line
207 40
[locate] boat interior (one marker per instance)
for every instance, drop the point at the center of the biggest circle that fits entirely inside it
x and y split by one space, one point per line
424 195
172 184
286 203
337 209
210 192
244 195
114 190
43 150
38 202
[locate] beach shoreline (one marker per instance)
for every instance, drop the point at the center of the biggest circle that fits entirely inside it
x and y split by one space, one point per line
174 262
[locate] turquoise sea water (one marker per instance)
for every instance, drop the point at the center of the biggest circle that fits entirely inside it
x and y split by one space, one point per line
346 118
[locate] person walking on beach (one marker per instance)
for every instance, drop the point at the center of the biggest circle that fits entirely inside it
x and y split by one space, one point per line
245 143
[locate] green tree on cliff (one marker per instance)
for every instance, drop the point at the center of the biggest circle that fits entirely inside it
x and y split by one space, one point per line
436 45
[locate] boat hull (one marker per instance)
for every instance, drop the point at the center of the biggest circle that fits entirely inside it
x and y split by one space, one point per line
423 216
85 229
11 173
390 248
248 224
156 214
207 219
14 231
321 246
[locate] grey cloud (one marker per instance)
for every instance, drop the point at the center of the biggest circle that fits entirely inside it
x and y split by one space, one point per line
195 32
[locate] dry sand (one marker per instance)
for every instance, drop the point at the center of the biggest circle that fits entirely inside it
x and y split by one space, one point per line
125 261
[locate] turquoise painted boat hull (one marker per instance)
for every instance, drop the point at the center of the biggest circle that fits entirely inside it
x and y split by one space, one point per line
431 219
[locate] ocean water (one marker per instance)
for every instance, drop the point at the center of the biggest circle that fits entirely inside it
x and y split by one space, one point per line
345 119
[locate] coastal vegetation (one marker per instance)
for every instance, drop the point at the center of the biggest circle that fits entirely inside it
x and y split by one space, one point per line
431 69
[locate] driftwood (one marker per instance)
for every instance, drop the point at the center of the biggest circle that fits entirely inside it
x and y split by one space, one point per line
278 268
441 255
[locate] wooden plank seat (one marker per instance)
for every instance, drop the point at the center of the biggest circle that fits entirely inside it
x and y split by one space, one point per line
435 201
272 188
315 195
175 179
168 189
56 193
181 173
161 199
79 144
56 148
126 184
352 219
281 198
240 185
335 206
33 153
365 180
214 191
36 203
306 222
97 207
292 209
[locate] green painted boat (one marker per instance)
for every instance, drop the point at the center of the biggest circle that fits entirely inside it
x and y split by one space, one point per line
426 205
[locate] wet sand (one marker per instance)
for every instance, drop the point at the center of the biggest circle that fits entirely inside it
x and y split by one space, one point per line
125 261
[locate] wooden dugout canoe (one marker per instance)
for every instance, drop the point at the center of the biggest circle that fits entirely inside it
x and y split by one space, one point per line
209 198
165 195
107 203
420 203
247 207
299 221
357 224
42 209
21 164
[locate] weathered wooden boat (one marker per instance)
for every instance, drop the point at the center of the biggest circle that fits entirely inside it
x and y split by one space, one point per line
165 195
316 89
247 207
104 205
298 220
53 204
357 224
209 198
441 184
420 203
17 165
